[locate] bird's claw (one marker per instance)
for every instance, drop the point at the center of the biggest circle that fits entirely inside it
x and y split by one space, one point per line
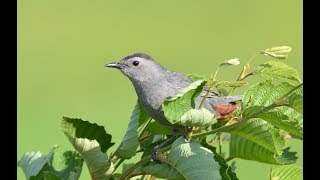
155 155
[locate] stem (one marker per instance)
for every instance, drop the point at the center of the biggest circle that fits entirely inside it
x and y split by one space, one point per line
149 177
142 161
207 93
139 150
136 174
212 131
213 83
118 164
111 157
249 74
121 159
235 124
229 158
141 140
244 71
115 159
239 79
219 140
252 57
144 128
215 74
289 92
136 165
263 110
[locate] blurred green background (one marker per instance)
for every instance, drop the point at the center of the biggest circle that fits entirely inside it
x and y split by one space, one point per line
64 45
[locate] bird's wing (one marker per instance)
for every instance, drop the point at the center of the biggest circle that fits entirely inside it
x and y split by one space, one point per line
226 99
177 80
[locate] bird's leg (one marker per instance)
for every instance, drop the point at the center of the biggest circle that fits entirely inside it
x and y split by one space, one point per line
188 131
156 155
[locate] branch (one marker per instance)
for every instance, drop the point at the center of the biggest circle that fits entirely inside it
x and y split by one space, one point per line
230 158
142 161
289 92
118 164
136 174
278 102
213 83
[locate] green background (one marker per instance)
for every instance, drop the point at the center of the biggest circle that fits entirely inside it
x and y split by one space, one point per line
63 46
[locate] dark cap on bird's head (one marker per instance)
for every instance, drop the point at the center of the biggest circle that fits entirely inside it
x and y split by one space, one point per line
138 67
136 56
139 55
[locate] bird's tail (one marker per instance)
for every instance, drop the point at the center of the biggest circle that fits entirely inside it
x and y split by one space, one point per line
224 106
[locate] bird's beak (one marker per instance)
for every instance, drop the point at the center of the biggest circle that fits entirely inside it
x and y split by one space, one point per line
114 65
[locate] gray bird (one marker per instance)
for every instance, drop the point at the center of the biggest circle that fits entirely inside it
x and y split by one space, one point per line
154 83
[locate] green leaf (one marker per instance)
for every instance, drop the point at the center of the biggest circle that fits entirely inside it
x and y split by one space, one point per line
96 160
265 93
260 132
196 77
50 176
163 171
67 165
286 172
182 102
126 166
187 161
155 128
225 170
221 91
278 119
130 142
243 148
292 113
78 128
149 145
279 52
276 70
296 102
51 166
91 141
198 118
143 115
32 162
232 83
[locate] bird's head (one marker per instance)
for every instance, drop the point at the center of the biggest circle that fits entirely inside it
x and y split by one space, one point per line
139 68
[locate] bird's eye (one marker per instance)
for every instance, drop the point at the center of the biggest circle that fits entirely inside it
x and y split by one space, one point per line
135 63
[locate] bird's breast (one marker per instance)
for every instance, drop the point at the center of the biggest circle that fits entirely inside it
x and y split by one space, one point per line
151 96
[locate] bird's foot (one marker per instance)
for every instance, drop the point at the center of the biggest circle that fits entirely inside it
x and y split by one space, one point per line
157 156
188 132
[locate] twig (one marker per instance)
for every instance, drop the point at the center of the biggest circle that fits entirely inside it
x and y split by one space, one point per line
244 73
118 164
144 128
142 161
212 84
136 174
207 93
219 140
291 91
229 158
